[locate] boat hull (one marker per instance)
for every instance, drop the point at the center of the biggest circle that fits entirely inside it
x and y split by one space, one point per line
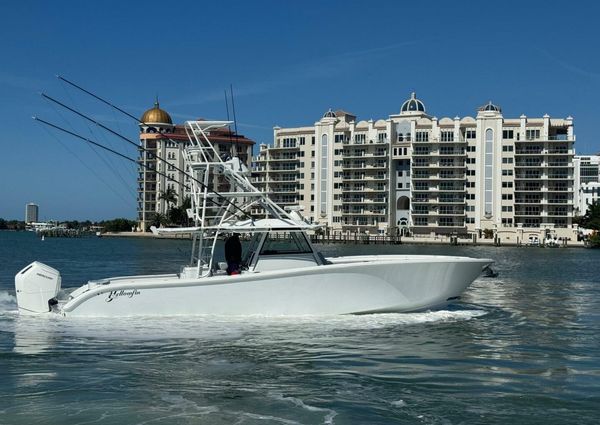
349 285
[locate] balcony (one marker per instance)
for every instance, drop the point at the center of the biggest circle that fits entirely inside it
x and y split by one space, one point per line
282 169
539 151
286 179
529 164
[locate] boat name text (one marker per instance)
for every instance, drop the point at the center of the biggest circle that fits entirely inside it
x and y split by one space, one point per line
122 293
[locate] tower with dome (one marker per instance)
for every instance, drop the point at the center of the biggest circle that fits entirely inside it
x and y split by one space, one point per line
161 138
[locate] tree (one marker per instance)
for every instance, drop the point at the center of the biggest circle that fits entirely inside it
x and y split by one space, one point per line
178 215
156 219
118 225
3 224
591 219
594 240
170 197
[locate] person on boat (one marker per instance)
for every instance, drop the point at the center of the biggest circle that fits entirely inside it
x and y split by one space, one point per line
233 254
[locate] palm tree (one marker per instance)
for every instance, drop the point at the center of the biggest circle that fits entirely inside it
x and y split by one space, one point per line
170 197
157 219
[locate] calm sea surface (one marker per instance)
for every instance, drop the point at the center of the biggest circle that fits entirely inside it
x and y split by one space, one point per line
521 348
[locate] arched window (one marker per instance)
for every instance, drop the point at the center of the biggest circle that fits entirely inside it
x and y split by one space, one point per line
403 203
324 160
489 161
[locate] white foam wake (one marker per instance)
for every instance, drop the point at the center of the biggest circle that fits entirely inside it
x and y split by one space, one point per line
8 302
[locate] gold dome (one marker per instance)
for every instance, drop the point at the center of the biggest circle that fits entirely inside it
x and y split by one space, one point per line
156 116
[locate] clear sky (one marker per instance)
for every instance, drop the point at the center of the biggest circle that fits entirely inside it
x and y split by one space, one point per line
289 61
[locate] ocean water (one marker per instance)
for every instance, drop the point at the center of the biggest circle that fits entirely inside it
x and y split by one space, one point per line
521 348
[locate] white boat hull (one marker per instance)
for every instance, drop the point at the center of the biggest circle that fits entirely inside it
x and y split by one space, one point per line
350 285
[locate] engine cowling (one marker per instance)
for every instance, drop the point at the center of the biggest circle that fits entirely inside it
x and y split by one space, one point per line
36 286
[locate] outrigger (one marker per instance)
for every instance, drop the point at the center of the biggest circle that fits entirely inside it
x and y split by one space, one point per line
281 271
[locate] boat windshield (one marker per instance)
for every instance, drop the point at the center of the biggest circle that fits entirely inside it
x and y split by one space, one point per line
251 248
285 243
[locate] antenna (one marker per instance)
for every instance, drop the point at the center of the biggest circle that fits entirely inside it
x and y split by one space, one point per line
234 119
229 127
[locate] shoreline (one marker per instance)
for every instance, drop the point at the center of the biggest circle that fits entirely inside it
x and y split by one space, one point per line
406 240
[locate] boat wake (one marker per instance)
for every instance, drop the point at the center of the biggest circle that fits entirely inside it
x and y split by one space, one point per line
8 302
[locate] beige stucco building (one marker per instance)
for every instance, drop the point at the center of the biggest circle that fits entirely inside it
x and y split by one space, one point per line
414 173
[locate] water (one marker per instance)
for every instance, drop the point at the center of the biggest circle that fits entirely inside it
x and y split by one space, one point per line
520 348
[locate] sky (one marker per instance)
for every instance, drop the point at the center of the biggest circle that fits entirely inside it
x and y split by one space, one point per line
288 62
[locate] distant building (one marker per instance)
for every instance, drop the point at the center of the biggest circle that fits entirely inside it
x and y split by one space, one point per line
159 137
587 182
31 213
414 173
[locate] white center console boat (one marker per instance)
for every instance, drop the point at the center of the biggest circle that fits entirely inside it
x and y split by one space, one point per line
281 272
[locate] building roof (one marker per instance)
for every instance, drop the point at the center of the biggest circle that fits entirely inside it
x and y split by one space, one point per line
490 107
412 105
329 114
156 115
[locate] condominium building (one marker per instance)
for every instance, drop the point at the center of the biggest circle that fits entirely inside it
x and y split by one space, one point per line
31 213
415 173
160 138
587 182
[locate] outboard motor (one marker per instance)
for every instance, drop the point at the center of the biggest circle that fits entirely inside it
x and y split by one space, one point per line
36 286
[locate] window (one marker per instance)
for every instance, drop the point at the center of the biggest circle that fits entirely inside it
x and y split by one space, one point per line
508 148
447 136
507 208
507 196
489 156
470 134
285 243
508 134
507 160
403 203
324 160
359 139
532 134
471 149
422 136
289 142
507 184
507 172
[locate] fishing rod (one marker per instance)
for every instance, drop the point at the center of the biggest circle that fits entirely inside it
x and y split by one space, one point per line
136 162
233 108
45 96
60 77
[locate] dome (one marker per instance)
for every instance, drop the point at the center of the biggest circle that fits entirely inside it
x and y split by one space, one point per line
412 105
329 114
156 116
490 107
